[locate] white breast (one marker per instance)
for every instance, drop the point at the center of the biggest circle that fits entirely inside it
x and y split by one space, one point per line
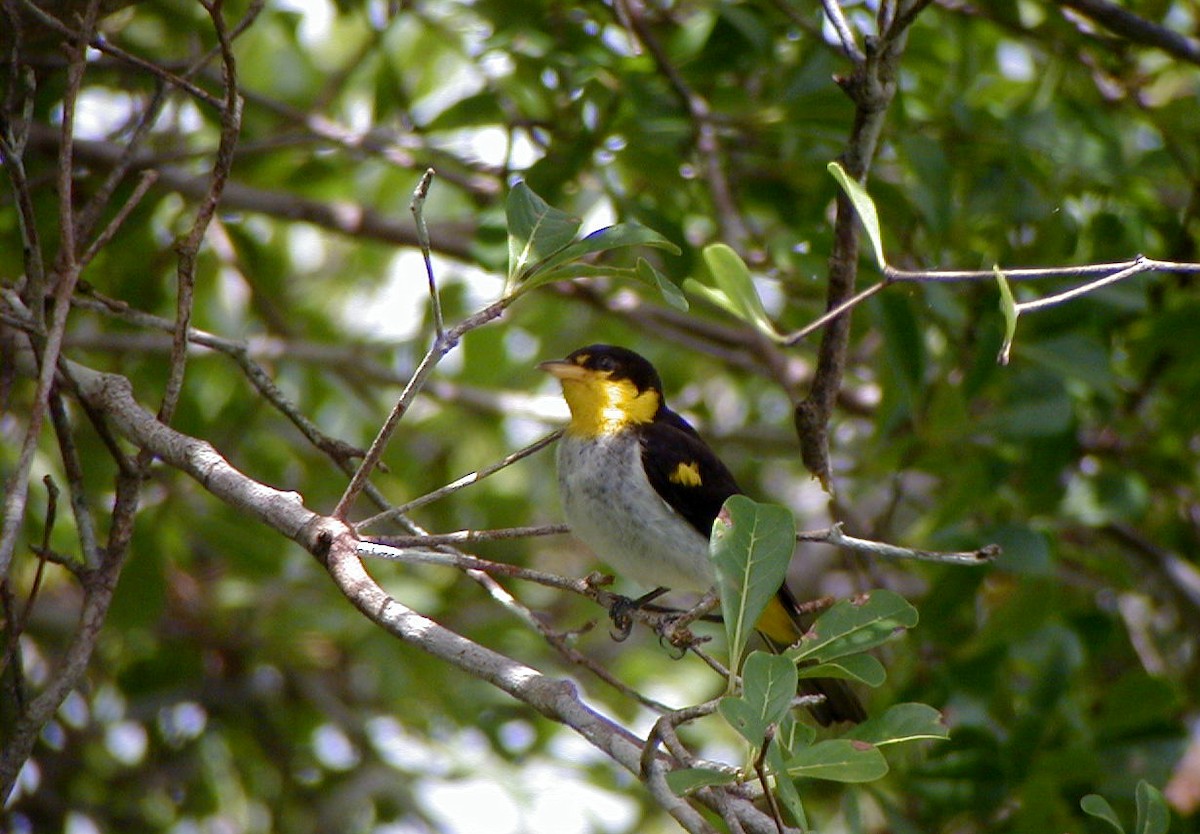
612 507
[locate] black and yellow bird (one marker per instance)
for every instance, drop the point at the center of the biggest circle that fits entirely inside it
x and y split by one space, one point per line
641 488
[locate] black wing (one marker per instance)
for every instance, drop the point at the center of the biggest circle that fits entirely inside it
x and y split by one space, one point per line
684 471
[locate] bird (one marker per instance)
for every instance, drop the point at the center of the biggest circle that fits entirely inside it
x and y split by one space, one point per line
641 488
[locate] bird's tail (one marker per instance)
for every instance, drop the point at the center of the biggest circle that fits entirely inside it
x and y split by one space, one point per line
781 625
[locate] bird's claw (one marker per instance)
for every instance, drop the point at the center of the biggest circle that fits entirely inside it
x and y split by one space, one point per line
621 614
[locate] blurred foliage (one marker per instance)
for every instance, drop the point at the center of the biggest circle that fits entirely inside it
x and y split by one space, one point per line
233 688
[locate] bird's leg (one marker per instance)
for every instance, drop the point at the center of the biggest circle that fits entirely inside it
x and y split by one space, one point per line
676 632
621 612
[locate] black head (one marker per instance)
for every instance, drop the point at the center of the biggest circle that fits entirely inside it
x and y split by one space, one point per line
618 363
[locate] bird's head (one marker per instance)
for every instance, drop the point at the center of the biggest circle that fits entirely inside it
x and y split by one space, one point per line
607 388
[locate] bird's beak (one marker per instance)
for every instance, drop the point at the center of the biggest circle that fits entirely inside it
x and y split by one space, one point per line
563 369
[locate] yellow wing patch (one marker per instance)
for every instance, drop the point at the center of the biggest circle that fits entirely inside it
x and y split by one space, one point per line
777 625
686 474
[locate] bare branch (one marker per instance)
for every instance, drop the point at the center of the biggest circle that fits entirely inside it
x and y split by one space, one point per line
834 536
434 355
350 219
871 87
49 348
733 226
103 45
1128 25
833 13
417 206
231 122
464 481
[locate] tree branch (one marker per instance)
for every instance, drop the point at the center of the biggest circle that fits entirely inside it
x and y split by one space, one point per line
350 219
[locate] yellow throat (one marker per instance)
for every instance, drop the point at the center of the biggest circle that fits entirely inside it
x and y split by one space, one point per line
601 405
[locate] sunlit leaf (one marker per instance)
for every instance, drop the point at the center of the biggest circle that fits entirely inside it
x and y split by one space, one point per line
602 240
1009 308
647 272
733 280
865 206
751 547
536 230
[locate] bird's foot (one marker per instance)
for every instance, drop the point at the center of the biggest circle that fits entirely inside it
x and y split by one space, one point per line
621 612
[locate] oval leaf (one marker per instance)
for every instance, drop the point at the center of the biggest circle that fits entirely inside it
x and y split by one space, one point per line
536 230
853 626
1009 307
901 722
1152 814
1097 806
865 206
838 760
768 687
687 779
750 547
863 668
732 278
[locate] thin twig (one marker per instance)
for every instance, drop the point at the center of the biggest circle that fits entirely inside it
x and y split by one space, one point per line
833 13
733 226
464 481
834 536
147 179
342 217
108 48
664 731
428 362
871 86
188 250
239 352
760 768
473 536
824 319
49 348
1059 298
17 623
1137 29
417 206
1110 274
85 529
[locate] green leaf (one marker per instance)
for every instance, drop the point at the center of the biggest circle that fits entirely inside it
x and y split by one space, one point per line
713 296
1097 806
900 723
768 687
864 205
601 240
1009 307
671 294
750 548
733 280
838 760
536 230
863 668
1152 814
687 779
853 626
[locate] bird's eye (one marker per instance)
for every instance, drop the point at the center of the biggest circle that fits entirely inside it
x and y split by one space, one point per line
605 363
